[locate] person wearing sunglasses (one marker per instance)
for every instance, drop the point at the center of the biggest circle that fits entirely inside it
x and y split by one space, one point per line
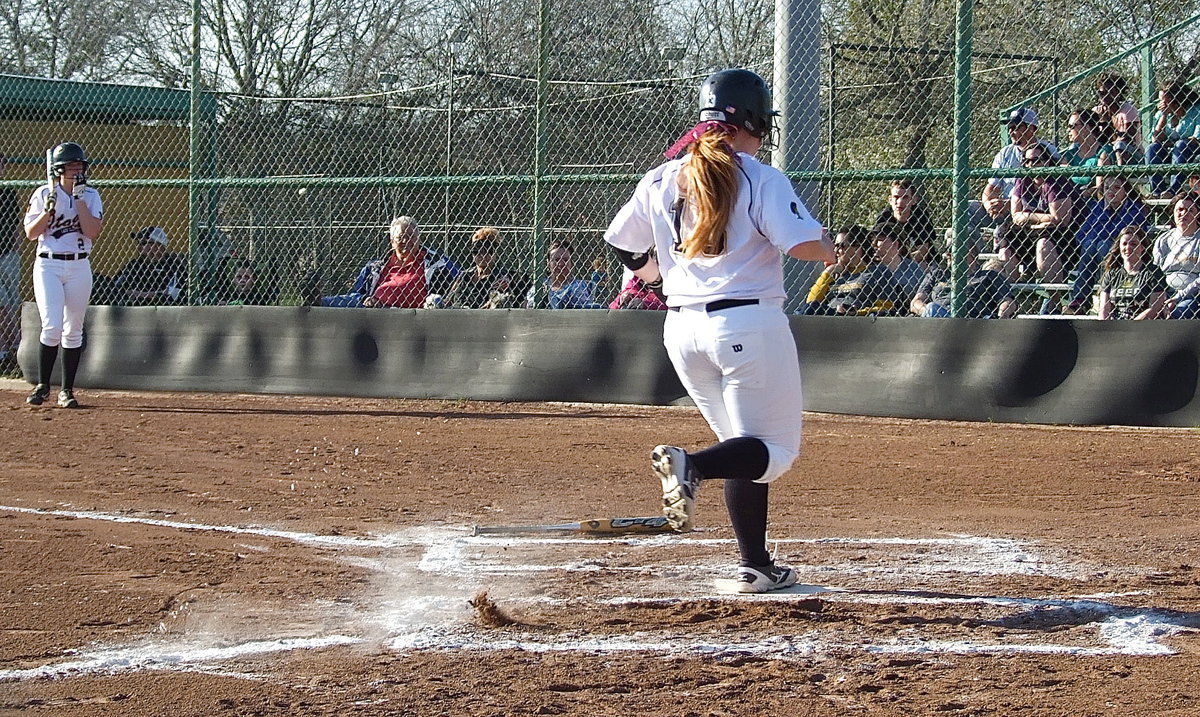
1046 212
487 285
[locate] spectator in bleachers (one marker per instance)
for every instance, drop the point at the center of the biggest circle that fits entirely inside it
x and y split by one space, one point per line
1115 110
1132 287
1119 206
1177 253
855 284
907 215
246 288
154 277
564 292
988 295
892 254
399 280
1046 212
1087 132
486 285
1173 138
11 234
1022 131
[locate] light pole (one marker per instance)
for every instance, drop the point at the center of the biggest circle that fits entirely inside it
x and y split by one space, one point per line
387 80
454 36
671 57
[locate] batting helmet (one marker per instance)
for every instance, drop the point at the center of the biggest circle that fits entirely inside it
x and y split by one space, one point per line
64 154
739 97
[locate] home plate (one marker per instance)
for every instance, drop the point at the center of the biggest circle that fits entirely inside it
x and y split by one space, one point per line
729 586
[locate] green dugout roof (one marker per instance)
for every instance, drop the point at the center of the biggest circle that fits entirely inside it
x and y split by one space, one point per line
48 99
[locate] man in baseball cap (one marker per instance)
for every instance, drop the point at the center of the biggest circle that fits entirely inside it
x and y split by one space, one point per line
154 276
1022 126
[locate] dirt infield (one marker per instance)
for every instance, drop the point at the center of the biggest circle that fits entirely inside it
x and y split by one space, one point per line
229 554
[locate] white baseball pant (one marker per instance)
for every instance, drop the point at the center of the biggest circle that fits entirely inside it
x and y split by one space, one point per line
62 289
740 367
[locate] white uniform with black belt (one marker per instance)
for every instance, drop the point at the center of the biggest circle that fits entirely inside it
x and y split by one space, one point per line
62 272
726 332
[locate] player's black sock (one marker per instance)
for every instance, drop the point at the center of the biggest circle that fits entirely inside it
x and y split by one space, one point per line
747 503
70 366
46 359
739 459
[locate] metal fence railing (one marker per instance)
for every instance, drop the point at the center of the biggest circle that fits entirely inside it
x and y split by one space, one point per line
275 169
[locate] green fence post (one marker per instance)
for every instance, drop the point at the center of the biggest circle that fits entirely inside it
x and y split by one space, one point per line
1149 94
964 40
194 149
539 156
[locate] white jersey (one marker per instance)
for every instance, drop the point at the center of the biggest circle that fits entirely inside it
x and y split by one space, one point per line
768 219
62 235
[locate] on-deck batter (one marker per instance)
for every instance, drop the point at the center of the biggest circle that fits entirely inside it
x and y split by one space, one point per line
64 223
721 220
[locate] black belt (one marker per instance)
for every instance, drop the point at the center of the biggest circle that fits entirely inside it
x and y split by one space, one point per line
722 304
64 257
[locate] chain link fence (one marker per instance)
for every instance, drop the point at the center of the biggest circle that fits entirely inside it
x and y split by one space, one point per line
276 163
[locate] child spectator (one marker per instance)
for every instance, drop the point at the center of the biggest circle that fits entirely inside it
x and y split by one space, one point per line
1177 253
245 288
1132 287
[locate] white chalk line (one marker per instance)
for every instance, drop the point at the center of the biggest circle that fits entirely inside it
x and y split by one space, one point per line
1133 633
156 656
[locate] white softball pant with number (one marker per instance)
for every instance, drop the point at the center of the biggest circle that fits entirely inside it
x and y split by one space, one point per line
740 367
62 288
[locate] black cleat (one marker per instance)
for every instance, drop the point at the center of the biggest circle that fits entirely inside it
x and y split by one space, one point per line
40 393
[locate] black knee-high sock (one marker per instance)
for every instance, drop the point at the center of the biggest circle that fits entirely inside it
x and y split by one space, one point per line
739 459
70 366
747 503
46 359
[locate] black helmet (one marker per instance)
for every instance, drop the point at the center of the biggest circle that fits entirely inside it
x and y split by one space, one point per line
739 97
64 154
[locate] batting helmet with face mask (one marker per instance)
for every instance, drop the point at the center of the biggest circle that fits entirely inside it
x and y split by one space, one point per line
740 98
66 153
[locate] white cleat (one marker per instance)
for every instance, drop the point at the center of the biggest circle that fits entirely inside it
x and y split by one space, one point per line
680 484
765 579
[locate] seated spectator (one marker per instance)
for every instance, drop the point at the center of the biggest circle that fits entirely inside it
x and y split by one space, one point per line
855 284
1177 253
1118 207
1046 212
562 291
154 277
398 280
1132 287
1022 130
891 253
988 295
1116 111
1173 139
486 285
245 288
636 295
1087 132
907 216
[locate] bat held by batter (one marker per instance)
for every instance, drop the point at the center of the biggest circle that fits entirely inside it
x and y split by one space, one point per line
647 525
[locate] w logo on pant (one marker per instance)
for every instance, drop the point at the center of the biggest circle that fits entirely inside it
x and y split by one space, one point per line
737 348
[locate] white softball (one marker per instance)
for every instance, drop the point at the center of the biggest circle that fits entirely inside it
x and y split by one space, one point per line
302 191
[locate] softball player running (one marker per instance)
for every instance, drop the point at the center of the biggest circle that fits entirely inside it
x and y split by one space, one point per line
64 219
720 221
